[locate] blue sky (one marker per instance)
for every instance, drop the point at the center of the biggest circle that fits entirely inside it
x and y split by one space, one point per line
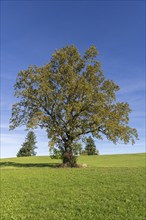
32 30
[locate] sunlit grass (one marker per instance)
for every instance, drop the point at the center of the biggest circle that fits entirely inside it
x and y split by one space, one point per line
110 188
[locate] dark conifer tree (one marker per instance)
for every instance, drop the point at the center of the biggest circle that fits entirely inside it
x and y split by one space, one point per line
90 146
29 146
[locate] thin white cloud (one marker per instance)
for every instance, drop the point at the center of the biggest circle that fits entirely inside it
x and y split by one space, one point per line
131 86
4 126
5 104
11 138
138 114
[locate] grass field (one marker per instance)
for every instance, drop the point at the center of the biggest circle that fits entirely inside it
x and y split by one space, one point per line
110 188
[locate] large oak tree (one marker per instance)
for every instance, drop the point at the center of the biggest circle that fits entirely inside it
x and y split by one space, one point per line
70 97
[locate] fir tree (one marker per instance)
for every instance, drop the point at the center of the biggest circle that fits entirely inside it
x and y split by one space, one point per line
29 146
90 146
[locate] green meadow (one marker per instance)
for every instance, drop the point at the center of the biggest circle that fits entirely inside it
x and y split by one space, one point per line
110 188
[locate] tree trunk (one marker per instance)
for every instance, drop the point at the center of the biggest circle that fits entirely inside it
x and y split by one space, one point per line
69 159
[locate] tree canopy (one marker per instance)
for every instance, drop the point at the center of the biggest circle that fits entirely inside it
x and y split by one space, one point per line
70 97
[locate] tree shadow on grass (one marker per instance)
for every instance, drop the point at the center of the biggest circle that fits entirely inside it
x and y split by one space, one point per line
13 164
